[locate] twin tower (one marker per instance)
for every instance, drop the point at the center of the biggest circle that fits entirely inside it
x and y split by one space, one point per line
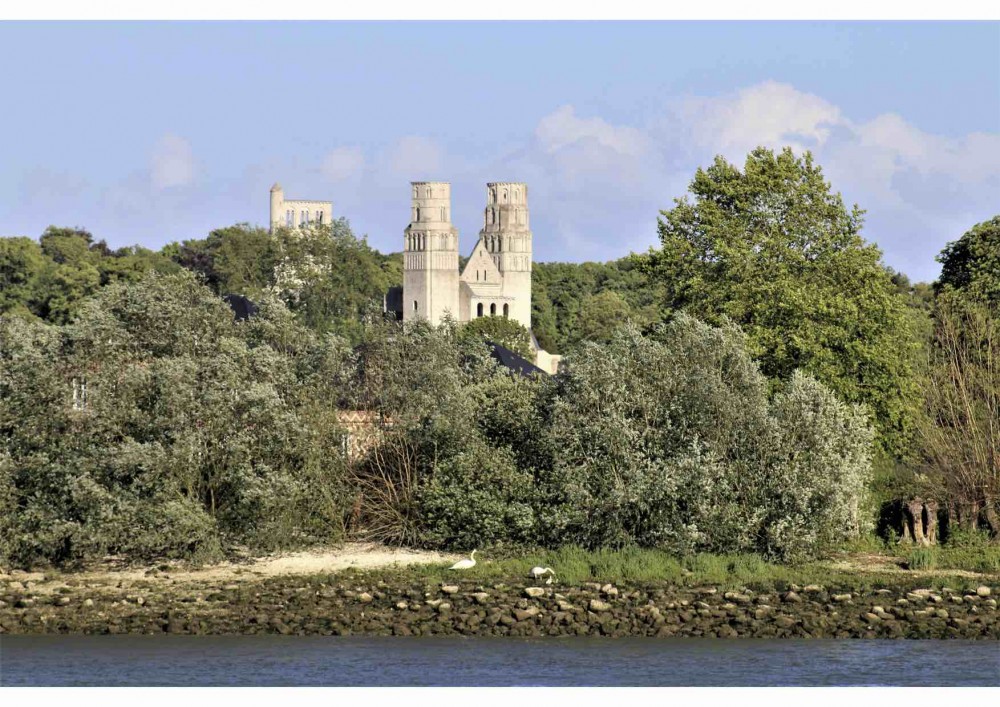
497 279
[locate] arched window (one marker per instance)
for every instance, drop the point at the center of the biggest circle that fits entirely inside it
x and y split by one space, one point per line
479 309
443 216
493 309
418 214
505 196
506 310
414 305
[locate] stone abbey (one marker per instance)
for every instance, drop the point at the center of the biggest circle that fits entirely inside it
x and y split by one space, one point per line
496 280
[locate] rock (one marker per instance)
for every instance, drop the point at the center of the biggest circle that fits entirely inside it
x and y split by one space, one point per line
784 622
610 590
597 605
934 598
971 598
565 605
902 602
88 602
480 597
140 601
812 588
63 601
791 598
707 590
449 588
983 591
592 586
402 605
443 606
15 586
914 596
761 612
433 602
534 592
365 598
955 599
525 614
941 614
992 603
840 598
873 618
702 605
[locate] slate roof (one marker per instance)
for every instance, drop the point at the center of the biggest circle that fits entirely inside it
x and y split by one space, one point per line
513 362
242 307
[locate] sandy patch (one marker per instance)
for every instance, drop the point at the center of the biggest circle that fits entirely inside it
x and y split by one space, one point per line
308 562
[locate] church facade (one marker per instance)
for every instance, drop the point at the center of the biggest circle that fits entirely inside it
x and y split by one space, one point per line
496 280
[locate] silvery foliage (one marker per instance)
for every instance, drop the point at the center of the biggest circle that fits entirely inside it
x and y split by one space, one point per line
672 440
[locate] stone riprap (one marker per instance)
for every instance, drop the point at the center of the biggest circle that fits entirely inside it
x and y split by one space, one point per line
335 605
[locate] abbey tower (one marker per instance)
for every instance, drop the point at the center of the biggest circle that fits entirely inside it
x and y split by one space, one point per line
496 280
430 255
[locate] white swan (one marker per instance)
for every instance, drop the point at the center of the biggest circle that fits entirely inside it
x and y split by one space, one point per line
465 564
537 572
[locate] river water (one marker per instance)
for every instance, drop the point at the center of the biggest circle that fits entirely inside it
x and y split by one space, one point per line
354 661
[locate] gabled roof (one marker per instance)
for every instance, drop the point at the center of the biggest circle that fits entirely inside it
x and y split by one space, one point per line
481 261
513 362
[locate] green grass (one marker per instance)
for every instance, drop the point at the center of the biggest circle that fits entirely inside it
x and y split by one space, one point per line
639 566
923 558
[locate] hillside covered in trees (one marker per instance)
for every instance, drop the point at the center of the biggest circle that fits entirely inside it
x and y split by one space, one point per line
760 382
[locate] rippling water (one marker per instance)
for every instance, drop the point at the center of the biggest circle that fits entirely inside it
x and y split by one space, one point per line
352 661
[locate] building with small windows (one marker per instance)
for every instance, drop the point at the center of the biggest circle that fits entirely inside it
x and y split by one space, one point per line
496 280
293 213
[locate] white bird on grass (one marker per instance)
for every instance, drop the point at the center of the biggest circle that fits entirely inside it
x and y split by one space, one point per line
537 573
465 564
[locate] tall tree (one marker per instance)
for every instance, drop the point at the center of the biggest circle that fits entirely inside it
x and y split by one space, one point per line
771 248
971 264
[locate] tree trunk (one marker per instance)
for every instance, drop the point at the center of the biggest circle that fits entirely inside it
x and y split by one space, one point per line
991 517
906 536
916 508
932 513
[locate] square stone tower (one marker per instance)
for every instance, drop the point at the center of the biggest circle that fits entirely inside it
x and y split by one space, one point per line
506 236
430 255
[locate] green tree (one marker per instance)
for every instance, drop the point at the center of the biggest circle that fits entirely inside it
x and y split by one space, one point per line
500 330
601 315
774 250
971 265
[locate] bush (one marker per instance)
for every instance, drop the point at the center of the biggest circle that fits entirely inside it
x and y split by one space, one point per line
671 441
194 430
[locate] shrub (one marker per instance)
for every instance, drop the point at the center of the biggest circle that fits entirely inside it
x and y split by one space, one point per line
671 441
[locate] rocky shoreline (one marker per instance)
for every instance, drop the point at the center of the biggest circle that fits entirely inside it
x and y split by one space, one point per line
335 605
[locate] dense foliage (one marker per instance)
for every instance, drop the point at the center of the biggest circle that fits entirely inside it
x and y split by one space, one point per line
771 248
500 330
156 425
971 265
575 302
49 279
670 440
326 276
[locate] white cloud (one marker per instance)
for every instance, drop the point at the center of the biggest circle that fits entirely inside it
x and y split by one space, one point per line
173 163
600 178
769 113
343 163
416 158
563 129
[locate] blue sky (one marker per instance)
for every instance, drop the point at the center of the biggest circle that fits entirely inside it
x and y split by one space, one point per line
152 132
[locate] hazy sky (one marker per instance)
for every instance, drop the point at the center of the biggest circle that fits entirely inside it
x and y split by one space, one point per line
148 133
